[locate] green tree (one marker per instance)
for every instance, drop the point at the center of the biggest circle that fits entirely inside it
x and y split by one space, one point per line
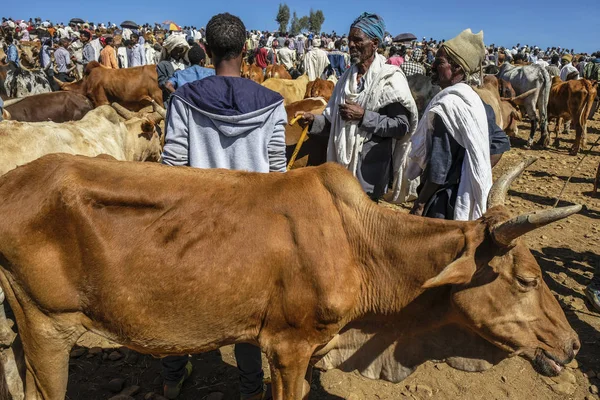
295 27
316 19
283 17
304 22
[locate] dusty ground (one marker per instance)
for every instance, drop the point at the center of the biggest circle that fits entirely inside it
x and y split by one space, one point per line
567 252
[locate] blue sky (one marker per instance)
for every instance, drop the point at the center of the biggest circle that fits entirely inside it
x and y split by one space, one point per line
507 22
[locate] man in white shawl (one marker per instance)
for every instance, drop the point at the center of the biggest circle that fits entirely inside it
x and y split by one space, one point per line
370 116
315 61
457 141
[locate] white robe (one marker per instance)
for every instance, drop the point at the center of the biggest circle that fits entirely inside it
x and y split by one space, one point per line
384 84
463 114
315 62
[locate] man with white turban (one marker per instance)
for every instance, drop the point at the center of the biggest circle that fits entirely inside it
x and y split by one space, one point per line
175 48
457 141
315 61
370 116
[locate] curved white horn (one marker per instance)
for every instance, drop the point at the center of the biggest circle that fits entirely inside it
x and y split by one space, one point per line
159 109
11 102
506 232
122 111
499 189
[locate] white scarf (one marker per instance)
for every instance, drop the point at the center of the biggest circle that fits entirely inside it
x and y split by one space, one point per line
463 114
383 85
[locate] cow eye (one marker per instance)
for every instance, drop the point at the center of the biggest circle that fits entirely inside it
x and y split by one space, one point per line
527 282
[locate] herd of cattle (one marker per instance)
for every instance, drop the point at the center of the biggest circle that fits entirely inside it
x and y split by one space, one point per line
378 304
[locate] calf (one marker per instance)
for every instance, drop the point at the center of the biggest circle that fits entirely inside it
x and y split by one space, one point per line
572 101
320 261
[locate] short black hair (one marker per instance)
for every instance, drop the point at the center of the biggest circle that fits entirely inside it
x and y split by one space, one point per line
196 54
226 35
108 40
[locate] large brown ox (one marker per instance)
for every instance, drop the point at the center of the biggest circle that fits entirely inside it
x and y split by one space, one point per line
55 107
91 245
320 88
101 131
130 87
572 101
314 148
292 90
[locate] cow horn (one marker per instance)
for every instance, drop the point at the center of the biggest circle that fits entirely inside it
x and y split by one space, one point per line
122 111
158 109
506 232
60 83
498 192
11 102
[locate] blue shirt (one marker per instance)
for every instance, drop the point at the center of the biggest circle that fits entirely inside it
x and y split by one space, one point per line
12 54
191 74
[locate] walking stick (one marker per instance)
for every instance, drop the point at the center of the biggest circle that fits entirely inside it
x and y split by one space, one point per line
299 144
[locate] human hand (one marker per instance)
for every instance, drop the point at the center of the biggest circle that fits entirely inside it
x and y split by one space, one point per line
418 209
351 111
306 118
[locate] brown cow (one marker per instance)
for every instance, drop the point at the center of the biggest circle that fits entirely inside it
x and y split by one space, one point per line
314 148
253 72
90 245
320 88
277 71
130 87
55 107
572 101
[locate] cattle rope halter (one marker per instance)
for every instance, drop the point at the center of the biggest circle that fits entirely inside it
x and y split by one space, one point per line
300 142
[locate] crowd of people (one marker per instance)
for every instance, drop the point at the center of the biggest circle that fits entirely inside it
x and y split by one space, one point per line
216 120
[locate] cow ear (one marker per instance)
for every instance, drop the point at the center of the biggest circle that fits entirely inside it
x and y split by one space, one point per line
460 271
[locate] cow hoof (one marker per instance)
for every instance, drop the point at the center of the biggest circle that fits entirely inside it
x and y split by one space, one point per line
573 151
529 144
556 143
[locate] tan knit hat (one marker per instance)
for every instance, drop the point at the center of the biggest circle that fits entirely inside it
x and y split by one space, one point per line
467 50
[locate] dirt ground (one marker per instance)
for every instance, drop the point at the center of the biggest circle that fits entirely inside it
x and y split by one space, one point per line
567 251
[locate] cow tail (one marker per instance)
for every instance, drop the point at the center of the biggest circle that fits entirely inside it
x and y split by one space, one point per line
544 97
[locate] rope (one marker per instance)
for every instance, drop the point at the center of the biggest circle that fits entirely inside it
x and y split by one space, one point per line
299 144
575 170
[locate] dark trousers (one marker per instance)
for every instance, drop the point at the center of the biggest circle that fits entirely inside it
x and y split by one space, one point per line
64 77
249 364
51 81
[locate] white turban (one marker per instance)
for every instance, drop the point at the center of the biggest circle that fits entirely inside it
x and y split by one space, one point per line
174 41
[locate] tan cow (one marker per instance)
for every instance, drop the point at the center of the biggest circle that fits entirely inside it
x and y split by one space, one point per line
292 90
572 101
101 131
91 245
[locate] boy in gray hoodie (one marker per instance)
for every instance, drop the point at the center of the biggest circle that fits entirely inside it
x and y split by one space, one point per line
225 121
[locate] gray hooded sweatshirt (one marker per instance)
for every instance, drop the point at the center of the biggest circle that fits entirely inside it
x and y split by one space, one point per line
226 122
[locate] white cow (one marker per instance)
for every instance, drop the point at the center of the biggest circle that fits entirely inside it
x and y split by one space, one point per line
101 131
